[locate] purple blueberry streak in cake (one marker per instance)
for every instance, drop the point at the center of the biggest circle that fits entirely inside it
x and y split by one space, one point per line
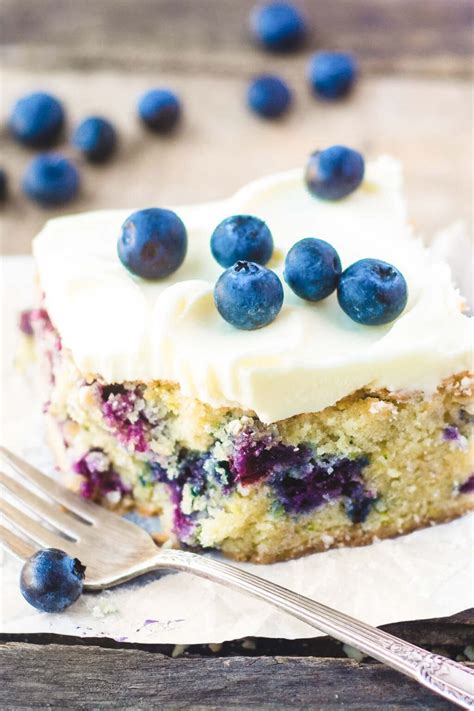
123 412
451 433
100 478
322 481
191 473
29 317
256 456
301 481
468 486
24 323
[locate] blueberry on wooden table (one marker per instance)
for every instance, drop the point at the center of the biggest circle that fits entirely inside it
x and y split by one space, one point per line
269 96
334 173
248 296
312 269
51 580
332 74
278 26
95 138
372 292
51 179
241 237
153 243
159 110
37 120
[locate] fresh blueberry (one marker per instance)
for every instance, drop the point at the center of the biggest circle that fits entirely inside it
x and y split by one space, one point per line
268 96
51 580
51 179
248 296
160 110
334 173
241 237
312 269
332 74
372 292
37 120
153 243
278 26
96 138
3 185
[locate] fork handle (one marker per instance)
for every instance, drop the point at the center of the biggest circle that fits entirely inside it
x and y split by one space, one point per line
449 679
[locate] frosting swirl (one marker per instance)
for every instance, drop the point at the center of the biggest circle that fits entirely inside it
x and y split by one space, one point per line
123 328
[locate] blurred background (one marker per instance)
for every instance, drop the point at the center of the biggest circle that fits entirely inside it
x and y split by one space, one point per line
413 98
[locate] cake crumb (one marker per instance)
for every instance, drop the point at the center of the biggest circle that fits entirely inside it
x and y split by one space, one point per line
179 650
469 652
104 608
380 406
327 540
353 653
249 644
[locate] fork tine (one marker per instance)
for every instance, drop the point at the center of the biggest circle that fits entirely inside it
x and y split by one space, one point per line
87 510
16 545
58 493
34 530
50 513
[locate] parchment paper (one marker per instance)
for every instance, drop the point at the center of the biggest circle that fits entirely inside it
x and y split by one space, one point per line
425 574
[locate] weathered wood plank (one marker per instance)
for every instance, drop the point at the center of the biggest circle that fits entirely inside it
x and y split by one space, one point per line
445 635
91 677
432 36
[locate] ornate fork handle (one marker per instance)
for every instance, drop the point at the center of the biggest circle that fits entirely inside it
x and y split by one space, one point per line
443 676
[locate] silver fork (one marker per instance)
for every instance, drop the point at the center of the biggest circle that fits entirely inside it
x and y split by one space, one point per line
85 531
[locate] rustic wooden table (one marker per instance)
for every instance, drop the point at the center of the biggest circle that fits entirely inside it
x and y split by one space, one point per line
413 101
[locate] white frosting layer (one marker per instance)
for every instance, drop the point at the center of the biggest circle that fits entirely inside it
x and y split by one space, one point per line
124 328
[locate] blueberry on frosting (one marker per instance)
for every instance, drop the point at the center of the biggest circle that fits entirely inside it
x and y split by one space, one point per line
248 296
372 292
334 173
241 237
278 26
96 138
332 74
51 580
160 110
51 179
312 269
153 243
269 96
37 120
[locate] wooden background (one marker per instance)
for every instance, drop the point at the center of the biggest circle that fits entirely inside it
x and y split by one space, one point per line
414 100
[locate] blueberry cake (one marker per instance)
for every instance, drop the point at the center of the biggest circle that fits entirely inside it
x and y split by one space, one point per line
312 432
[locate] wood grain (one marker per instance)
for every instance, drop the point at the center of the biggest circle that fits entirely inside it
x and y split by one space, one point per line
73 673
137 679
428 36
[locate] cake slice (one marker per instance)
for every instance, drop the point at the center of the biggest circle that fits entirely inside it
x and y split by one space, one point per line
310 433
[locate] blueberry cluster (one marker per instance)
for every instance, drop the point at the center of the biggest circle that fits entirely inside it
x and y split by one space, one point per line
248 295
38 121
280 27
370 291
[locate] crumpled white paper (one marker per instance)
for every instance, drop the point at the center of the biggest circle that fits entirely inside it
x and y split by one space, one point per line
426 574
